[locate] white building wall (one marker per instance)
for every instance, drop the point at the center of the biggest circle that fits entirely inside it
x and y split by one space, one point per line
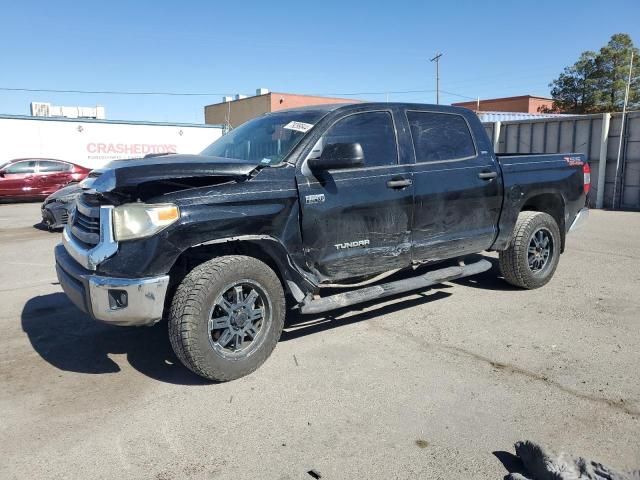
94 143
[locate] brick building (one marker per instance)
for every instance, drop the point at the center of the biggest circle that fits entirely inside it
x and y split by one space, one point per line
238 110
522 103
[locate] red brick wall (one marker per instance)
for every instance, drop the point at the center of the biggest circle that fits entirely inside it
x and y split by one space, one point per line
535 104
523 103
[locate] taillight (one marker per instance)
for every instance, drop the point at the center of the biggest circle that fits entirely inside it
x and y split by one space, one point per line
586 172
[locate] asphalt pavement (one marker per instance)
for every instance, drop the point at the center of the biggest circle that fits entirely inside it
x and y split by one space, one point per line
435 384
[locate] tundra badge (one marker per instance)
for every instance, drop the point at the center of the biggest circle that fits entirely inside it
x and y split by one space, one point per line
357 243
312 199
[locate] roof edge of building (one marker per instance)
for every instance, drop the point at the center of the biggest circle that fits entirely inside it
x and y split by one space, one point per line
353 100
6 116
502 99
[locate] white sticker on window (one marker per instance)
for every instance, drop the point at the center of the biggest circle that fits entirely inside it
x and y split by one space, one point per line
298 126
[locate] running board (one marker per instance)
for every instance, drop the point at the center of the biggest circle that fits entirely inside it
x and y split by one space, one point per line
366 294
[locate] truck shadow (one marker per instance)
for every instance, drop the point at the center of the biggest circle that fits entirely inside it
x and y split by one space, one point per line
69 340
489 280
298 325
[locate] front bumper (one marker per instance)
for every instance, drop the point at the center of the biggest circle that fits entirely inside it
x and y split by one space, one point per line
101 297
580 220
55 214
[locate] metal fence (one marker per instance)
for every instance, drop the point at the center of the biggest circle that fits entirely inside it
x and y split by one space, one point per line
597 136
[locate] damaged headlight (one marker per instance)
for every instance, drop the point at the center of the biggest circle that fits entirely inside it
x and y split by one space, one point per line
139 220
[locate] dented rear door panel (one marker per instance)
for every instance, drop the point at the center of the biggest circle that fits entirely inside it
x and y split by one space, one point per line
457 201
456 212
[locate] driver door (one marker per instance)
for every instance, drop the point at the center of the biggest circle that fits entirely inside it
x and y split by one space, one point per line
356 222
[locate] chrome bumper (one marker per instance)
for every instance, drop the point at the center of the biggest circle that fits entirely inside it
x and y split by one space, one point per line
91 258
580 220
118 301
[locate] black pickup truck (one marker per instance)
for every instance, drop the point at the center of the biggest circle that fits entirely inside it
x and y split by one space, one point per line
298 203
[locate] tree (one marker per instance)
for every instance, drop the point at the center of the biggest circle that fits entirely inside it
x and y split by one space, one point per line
613 67
576 89
597 81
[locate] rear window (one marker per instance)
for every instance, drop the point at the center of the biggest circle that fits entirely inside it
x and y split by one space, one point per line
440 136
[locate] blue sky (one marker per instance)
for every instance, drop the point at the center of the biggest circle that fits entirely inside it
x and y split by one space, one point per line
491 48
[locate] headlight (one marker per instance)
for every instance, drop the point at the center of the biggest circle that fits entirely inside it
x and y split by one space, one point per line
139 220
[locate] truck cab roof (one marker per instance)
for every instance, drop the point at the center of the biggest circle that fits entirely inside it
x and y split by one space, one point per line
330 107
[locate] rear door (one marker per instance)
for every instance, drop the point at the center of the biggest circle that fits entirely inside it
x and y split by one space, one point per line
18 179
458 190
356 221
52 176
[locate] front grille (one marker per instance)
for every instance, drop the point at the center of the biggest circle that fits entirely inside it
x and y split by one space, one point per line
64 217
86 224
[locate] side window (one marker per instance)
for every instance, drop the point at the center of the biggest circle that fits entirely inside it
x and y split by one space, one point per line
22 167
440 136
373 131
48 166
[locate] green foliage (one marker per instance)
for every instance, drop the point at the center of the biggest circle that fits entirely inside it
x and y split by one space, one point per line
597 81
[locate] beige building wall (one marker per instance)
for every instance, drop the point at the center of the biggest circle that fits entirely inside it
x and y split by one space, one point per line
239 111
282 101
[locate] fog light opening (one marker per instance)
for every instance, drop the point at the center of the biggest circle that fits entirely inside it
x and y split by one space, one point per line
118 299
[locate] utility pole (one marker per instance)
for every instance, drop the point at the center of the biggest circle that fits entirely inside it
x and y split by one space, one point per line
437 60
624 114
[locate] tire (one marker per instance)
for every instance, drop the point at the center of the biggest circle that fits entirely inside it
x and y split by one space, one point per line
215 333
528 269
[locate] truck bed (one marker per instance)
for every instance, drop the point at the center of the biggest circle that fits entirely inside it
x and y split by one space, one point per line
532 180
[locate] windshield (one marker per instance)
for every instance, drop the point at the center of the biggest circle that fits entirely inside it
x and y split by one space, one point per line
267 139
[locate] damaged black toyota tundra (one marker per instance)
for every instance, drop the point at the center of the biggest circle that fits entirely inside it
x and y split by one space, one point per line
298 203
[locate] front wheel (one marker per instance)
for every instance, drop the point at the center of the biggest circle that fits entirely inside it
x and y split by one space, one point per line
226 317
533 254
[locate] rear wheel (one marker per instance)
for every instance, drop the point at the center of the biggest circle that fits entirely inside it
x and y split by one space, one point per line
226 317
533 254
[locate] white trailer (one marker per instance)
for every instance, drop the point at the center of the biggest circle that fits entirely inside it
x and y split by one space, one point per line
92 143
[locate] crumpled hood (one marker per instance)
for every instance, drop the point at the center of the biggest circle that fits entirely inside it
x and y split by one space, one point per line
134 172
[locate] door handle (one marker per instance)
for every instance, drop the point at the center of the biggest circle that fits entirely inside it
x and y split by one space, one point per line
405 182
487 175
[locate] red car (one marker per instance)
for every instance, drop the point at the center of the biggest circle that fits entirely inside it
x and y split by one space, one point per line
33 178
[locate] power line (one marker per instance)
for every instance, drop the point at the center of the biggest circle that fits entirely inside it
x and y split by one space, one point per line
211 94
124 92
458 95
109 92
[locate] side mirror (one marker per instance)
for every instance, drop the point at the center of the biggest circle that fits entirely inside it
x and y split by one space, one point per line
338 155
2 172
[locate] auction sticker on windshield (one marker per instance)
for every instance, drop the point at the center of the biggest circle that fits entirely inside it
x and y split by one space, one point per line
299 126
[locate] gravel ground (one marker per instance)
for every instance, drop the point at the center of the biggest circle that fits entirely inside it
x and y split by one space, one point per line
436 384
